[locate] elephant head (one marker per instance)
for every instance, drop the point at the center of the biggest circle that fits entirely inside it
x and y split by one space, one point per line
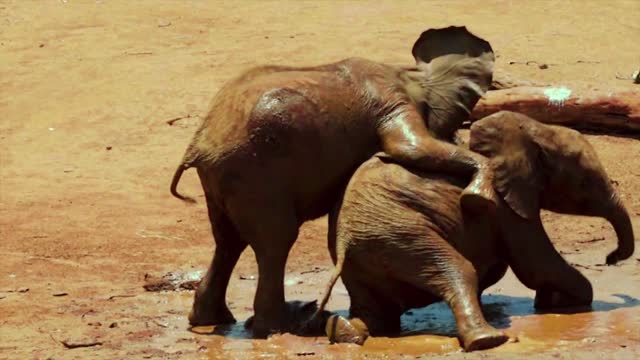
551 167
454 68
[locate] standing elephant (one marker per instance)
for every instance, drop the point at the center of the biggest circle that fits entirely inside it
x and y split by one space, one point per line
400 239
279 143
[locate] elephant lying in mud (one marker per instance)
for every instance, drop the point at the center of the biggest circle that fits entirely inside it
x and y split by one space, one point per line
279 143
400 240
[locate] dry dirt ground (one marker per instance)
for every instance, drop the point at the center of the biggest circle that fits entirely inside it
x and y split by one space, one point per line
86 156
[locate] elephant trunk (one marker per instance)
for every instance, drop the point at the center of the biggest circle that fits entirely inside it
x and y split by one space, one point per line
619 218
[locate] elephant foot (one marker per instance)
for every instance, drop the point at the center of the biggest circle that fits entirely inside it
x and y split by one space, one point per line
315 325
206 316
483 339
549 299
341 330
261 329
294 319
479 196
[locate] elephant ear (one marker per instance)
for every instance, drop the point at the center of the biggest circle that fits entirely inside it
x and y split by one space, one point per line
514 159
459 70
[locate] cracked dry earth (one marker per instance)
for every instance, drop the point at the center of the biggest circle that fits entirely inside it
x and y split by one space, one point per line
86 156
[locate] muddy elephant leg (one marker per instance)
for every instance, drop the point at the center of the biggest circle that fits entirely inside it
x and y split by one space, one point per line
209 306
460 292
569 288
493 275
271 228
407 141
370 311
269 303
442 271
543 268
548 298
380 315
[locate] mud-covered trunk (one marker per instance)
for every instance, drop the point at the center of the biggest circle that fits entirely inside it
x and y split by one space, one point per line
619 218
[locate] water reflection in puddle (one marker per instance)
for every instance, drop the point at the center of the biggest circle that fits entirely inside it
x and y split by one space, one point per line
432 330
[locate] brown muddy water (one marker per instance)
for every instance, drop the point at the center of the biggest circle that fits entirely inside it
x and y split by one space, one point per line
613 322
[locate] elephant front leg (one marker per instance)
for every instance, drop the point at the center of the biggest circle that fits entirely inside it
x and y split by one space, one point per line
443 272
539 266
407 141
548 298
568 288
462 296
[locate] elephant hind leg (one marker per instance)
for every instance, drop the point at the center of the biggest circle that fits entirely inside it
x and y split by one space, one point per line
270 225
380 315
209 306
442 271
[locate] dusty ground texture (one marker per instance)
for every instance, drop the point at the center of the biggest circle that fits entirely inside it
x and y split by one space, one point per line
86 156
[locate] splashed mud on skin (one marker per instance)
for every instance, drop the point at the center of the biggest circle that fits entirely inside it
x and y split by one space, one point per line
557 95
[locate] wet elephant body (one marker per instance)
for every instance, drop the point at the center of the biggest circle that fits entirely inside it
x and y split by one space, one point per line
407 244
400 239
279 143
372 254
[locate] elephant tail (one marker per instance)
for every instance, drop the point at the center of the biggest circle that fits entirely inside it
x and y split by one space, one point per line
189 160
327 292
337 271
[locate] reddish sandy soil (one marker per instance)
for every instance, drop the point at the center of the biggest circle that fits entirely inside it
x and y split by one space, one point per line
86 157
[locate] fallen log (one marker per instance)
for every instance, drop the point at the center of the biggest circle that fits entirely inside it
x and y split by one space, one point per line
599 110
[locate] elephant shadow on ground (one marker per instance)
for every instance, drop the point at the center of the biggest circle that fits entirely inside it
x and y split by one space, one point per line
437 318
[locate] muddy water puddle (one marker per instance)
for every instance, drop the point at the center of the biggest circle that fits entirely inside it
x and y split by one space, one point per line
431 330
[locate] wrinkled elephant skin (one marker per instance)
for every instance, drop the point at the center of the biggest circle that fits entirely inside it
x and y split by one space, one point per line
400 239
279 143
